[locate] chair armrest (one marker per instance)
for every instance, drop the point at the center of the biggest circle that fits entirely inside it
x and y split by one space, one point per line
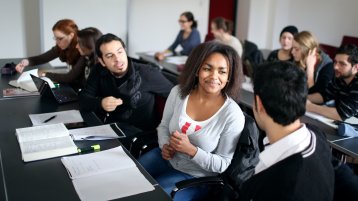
188 183
143 142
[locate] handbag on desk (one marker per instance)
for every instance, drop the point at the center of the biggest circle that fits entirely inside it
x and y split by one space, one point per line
8 69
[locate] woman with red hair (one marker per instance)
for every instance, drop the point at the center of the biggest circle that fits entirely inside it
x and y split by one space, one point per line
65 35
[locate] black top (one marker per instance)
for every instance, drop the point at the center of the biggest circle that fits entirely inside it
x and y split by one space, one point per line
344 95
302 176
273 56
137 89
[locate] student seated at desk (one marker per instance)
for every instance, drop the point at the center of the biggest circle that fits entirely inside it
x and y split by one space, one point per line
221 28
120 90
188 37
65 35
202 123
286 39
87 38
316 63
296 162
343 89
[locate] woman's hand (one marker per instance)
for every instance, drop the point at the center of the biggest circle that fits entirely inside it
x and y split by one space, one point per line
167 152
110 103
180 142
41 73
159 56
310 65
20 66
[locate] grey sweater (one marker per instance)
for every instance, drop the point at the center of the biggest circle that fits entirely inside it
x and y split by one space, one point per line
216 142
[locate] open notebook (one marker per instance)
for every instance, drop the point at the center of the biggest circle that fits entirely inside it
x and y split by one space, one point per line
25 82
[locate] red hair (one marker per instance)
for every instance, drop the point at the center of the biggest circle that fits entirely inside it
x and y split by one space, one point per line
70 55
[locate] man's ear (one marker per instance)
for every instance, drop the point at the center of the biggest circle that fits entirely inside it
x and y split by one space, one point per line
101 61
258 104
355 68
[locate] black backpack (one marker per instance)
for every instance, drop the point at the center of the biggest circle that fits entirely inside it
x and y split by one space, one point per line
243 164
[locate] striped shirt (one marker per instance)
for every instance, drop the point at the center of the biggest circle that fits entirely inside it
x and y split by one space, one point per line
345 97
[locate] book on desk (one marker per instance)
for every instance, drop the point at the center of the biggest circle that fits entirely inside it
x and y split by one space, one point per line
47 141
25 81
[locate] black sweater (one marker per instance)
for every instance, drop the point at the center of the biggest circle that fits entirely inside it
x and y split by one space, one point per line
302 176
137 89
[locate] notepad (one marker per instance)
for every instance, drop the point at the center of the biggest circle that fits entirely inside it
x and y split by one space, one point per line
44 142
105 175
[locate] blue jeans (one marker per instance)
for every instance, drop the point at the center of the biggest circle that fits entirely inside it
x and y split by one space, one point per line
162 171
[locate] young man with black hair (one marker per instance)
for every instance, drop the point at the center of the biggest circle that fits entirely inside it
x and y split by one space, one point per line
296 162
343 89
120 90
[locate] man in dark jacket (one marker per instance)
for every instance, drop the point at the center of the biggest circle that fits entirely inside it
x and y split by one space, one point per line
296 162
120 90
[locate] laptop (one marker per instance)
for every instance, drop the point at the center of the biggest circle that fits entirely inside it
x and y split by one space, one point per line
62 94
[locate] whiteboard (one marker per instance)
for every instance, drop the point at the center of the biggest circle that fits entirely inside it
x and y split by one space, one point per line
109 16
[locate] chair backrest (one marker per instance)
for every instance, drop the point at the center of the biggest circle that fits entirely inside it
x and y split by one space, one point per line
246 156
349 40
251 57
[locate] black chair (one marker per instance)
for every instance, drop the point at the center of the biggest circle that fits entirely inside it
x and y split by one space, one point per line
148 140
225 186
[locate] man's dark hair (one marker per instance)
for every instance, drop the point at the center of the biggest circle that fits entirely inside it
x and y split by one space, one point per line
282 88
106 39
188 78
350 50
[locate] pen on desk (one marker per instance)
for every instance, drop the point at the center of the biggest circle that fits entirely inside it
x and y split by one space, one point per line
95 147
49 119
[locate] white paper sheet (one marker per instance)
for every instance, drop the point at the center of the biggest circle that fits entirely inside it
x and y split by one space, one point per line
322 119
178 60
106 175
95 133
68 116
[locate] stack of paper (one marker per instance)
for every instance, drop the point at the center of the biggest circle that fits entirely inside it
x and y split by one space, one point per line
105 175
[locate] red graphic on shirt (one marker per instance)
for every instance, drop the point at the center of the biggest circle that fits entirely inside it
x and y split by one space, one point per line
197 127
185 127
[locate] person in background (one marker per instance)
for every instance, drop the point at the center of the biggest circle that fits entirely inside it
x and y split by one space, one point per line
292 153
343 89
87 38
317 64
222 29
202 123
188 37
119 90
286 39
65 35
